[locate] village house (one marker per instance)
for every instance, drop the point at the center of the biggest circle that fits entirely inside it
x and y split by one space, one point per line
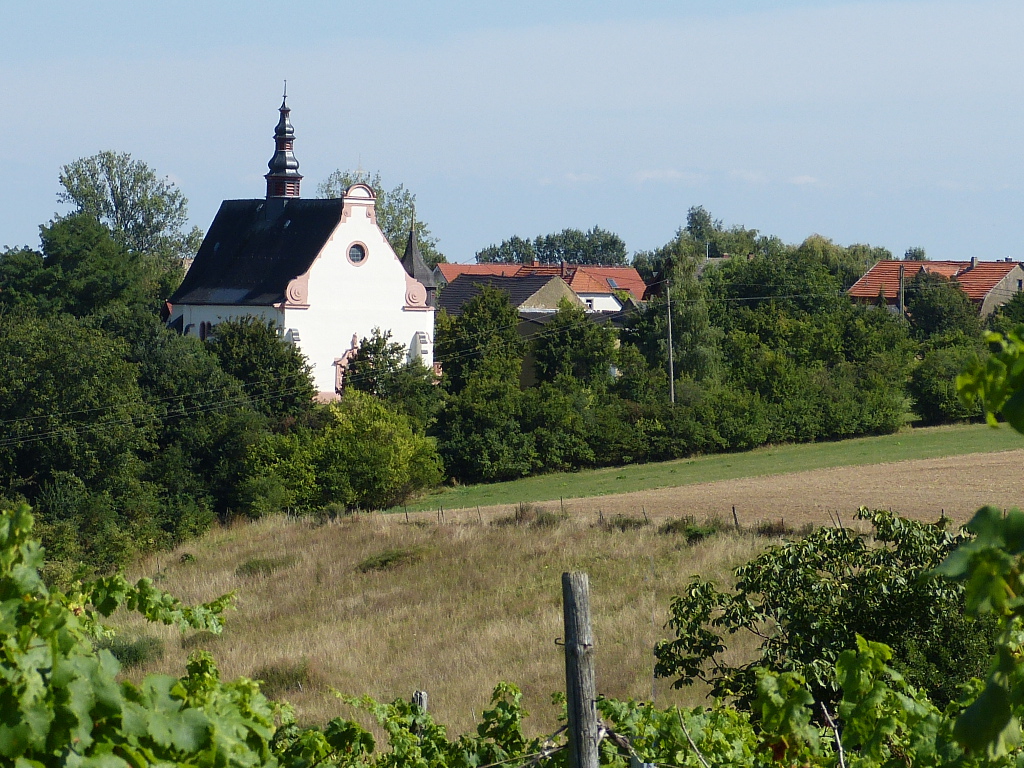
321 271
600 288
988 284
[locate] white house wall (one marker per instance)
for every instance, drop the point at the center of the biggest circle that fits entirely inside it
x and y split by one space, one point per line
601 302
194 314
347 300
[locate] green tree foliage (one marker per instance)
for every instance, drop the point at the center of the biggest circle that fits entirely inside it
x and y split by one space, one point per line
147 214
274 373
847 263
202 420
515 250
75 427
1003 320
483 338
572 345
396 210
380 368
695 341
915 253
480 429
573 246
806 601
936 305
997 384
932 382
359 454
82 270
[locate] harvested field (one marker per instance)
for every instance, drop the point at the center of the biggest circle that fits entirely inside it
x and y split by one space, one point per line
924 489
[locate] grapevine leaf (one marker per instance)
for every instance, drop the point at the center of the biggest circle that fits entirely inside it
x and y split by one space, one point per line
988 724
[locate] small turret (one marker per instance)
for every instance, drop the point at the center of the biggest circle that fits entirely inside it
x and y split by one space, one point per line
284 177
414 265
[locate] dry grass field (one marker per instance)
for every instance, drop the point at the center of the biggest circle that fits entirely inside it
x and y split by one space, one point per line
384 605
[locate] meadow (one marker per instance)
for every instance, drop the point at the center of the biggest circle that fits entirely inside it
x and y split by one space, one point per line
374 605
386 604
910 443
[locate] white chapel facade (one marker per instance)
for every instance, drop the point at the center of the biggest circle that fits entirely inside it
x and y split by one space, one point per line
320 270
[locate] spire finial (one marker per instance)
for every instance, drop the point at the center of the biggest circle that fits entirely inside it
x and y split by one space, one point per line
284 177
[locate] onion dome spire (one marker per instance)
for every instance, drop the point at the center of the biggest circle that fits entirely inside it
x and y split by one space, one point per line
284 177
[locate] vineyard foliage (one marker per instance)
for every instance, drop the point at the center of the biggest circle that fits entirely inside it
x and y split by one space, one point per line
805 602
62 703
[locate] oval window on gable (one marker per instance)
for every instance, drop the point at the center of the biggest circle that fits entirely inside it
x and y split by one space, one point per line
357 253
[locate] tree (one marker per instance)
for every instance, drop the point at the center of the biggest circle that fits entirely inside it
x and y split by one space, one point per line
380 368
82 270
573 246
146 214
274 373
483 337
915 253
932 381
937 305
481 355
396 209
515 250
816 595
847 263
572 345
694 339
700 225
1003 320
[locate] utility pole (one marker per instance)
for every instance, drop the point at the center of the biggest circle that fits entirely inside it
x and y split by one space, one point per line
899 300
671 363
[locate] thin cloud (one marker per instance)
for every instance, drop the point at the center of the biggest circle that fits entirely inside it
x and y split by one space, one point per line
668 175
803 181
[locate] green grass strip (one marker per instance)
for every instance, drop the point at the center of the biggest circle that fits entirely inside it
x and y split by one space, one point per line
911 443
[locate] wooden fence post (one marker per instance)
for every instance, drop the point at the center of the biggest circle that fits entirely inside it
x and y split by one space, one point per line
419 698
580 688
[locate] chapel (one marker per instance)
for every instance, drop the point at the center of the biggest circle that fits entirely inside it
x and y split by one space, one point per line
320 270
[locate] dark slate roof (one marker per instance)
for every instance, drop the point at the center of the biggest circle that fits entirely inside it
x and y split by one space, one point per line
414 264
464 287
616 317
254 248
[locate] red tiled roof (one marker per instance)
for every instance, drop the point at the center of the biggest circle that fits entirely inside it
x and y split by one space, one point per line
976 281
581 278
985 275
611 279
451 271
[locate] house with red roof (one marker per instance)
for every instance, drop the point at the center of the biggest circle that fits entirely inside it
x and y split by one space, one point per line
600 288
988 284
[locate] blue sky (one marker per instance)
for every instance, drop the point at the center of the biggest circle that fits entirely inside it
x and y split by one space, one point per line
893 123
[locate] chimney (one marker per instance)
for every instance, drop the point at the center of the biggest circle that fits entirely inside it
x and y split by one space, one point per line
974 261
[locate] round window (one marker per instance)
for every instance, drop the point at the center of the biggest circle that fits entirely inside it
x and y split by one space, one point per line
357 253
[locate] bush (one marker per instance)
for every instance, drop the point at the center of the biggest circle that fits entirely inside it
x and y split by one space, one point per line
390 559
529 516
285 677
818 594
264 566
933 385
137 652
623 523
693 531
